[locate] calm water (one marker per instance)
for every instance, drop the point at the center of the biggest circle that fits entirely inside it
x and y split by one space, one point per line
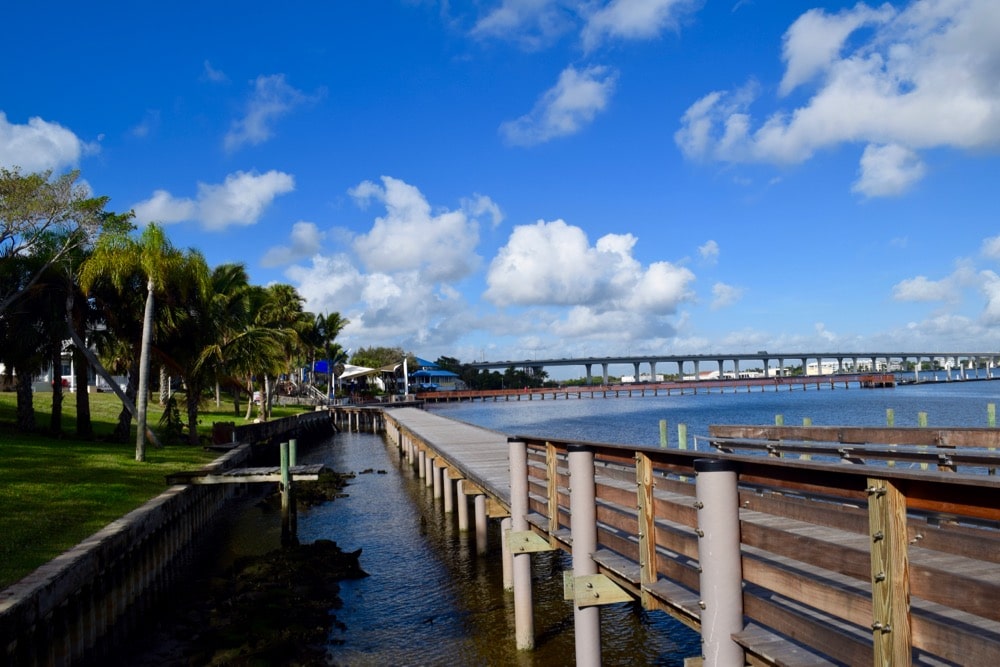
431 600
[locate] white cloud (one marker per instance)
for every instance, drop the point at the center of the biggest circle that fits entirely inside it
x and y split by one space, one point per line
552 263
888 171
991 247
991 292
40 145
709 252
479 205
306 240
948 289
724 295
564 109
239 200
815 39
411 237
271 99
532 23
924 78
633 19
165 209
209 73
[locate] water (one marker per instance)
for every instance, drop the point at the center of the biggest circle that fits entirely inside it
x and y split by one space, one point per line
432 600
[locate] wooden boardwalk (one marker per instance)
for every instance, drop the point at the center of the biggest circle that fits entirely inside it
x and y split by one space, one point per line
849 561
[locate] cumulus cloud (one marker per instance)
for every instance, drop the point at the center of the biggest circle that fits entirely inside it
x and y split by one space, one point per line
924 78
888 170
40 145
533 24
410 236
553 263
240 200
724 295
814 41
633 19
212 74
709 252
305 242
991 293
564 109
991 247
948 289
272 98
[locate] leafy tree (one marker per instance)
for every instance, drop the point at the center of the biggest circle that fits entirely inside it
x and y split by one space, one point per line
36 208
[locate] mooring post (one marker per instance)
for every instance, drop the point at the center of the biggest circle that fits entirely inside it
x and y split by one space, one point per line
583 529
524 622
286 483
663 433
721 578
293 460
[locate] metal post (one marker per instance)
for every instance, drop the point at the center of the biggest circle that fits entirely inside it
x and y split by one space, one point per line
721 576
583 528
524 622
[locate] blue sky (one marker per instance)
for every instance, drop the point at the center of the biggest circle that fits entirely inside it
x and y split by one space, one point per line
509 179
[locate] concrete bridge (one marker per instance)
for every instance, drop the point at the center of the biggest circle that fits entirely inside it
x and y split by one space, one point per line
770 363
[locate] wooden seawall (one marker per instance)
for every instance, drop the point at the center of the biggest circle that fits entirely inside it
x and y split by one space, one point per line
835 563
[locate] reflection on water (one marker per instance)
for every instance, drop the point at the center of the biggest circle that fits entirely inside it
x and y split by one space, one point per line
431 599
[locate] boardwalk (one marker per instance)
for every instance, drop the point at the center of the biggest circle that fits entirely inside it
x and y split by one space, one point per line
835 563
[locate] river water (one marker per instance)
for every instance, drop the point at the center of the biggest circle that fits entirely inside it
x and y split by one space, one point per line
431 599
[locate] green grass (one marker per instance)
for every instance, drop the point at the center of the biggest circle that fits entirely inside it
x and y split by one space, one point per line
56 491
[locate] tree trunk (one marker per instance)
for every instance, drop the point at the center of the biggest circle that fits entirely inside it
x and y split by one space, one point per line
142 392
164 384
84 427
193 396
123 430
55 417
250 402
25 407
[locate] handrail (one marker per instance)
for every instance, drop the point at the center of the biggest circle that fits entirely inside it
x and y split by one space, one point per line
836 558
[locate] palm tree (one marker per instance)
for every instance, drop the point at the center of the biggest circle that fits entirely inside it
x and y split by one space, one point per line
116 257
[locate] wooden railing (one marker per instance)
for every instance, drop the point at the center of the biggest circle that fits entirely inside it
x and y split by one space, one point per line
841 564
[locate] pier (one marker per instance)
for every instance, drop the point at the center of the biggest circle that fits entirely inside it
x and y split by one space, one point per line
780 546
676 388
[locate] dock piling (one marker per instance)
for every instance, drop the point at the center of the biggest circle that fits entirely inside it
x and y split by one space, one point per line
721 578
583 527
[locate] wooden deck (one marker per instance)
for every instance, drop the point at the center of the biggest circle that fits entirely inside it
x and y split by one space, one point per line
841 564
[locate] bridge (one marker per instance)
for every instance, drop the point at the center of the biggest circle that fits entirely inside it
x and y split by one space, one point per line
781 546
771 363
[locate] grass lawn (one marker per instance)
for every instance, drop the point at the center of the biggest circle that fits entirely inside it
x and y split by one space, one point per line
54 492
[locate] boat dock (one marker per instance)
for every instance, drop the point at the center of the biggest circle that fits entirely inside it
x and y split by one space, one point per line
774 545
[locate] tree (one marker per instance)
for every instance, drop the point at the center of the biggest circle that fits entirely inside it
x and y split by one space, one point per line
34 209
117 256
